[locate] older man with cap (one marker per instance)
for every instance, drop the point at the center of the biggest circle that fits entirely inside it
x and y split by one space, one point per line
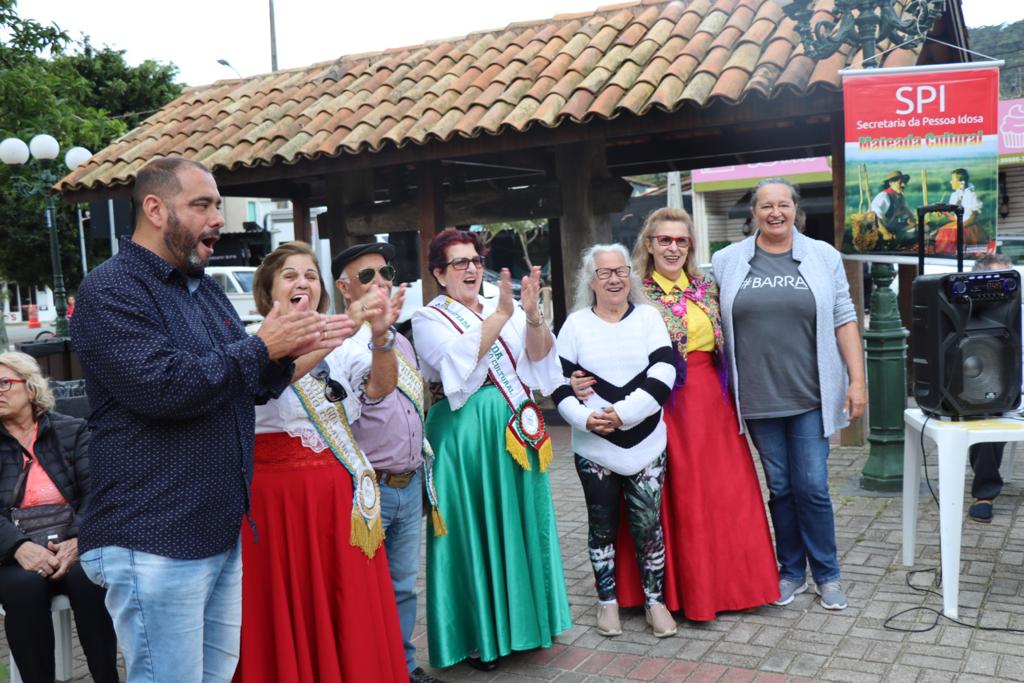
895 219
390 432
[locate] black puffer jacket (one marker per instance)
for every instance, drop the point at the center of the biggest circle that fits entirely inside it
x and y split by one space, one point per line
62 449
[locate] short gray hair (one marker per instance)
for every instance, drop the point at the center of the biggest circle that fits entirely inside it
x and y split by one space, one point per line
993 262
27 368
793 189
584 295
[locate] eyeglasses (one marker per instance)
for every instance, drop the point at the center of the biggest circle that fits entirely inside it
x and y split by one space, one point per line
463 263
333 390
6 382
366 274
605 273
667 240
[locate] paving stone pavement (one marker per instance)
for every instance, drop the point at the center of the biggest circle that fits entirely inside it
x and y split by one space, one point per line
802 641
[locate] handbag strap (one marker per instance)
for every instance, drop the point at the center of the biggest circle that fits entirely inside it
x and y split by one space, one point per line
19 486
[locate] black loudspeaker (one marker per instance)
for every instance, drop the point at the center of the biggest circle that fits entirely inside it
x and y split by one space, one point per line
967 343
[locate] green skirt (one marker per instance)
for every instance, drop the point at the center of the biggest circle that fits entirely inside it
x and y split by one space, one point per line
495 582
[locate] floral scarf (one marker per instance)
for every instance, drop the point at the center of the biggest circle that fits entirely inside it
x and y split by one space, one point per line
704 293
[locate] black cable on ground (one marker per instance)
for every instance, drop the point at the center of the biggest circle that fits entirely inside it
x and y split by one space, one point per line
887 625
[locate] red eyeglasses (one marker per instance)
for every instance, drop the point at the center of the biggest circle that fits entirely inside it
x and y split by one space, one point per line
667 240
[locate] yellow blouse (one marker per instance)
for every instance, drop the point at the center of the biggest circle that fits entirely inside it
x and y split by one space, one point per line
700 335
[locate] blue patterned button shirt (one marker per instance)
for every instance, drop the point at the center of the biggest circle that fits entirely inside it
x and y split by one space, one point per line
172 378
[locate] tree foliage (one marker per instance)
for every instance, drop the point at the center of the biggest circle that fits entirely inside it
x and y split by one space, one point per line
81 95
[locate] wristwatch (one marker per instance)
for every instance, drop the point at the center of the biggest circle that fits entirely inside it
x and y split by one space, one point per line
388 345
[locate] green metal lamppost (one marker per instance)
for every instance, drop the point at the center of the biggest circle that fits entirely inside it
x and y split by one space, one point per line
44 149
863 24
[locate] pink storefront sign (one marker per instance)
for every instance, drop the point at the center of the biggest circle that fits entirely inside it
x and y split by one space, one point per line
811 170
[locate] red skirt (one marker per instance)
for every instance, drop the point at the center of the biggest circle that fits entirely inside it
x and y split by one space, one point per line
718 549
314 607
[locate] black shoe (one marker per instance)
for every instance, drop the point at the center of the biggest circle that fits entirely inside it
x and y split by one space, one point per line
418 675
481 665
981 512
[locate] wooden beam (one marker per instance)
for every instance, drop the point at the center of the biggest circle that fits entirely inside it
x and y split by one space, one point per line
484 206
577 166
300 219
558 297
430 214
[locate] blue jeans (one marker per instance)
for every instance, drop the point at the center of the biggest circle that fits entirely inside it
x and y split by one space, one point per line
176 620
402 515
794 454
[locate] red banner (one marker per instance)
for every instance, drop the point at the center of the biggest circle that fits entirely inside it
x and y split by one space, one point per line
917 136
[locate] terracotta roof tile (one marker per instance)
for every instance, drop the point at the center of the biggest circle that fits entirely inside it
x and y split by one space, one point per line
630 57
636 100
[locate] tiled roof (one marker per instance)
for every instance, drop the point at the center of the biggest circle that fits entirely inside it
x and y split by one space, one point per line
622 59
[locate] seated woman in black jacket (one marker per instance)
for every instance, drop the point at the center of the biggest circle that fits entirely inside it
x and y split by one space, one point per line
50 449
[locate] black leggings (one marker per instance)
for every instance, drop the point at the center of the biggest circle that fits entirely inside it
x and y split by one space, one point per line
604 491
26 599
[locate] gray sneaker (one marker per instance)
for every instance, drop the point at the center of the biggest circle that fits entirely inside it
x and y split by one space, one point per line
789 589
832 595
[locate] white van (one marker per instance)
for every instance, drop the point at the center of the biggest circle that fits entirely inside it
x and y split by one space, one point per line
236 281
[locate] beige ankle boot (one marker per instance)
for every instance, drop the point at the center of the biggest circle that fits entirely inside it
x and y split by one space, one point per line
608 623
661 621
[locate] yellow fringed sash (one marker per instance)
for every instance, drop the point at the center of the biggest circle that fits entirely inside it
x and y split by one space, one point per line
410 383
366 527
526 426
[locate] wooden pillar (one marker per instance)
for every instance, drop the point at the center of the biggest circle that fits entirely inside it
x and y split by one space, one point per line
430 213
300 218
558 297
576 165
343 189
854 434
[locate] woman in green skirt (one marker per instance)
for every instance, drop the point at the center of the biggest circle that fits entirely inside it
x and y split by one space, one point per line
494 570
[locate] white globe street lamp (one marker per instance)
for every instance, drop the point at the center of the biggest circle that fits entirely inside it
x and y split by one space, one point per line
44 149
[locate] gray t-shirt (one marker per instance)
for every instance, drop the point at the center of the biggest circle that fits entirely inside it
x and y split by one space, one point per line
776 345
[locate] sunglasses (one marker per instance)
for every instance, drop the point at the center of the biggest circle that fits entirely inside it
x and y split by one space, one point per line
333 391
463 263
365 276
605 273
6 382
667 240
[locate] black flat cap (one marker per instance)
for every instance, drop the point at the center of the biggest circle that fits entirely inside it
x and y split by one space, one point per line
356 250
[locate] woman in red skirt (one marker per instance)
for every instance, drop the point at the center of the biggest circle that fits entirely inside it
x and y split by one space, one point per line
317 601
718 549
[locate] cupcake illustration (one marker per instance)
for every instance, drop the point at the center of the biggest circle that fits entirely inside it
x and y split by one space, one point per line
1012 126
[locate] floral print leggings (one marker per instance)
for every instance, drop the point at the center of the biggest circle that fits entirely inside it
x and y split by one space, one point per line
605 491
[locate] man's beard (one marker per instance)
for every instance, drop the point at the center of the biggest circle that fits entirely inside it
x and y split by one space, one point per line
183 245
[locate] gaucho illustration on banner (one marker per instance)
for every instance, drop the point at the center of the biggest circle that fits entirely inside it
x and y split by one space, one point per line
916 136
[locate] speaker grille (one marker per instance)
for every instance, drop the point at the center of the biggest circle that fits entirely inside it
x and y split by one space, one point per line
984 366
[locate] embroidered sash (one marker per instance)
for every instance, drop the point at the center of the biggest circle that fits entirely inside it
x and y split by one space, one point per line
526 426
410 383
366 530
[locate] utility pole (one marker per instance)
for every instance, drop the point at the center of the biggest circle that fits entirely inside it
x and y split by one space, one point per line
273 39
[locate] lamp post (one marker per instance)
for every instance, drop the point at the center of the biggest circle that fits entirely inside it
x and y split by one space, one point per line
44 149
863 24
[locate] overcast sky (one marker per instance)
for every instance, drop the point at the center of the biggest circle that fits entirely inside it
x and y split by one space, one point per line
194 34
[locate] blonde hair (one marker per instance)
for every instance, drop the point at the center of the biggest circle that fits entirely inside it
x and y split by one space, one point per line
643 260
27 368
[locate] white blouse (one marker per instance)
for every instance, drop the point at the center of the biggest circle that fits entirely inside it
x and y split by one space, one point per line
286 414
450 356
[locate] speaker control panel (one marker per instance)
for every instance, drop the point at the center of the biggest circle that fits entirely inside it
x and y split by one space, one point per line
992 285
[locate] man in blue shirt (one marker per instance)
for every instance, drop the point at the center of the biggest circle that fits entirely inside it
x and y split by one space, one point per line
173 377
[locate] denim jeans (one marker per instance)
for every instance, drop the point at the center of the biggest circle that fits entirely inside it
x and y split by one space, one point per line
794 454
401 512
176 620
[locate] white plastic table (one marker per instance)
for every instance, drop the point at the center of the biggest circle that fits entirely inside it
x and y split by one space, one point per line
953 440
